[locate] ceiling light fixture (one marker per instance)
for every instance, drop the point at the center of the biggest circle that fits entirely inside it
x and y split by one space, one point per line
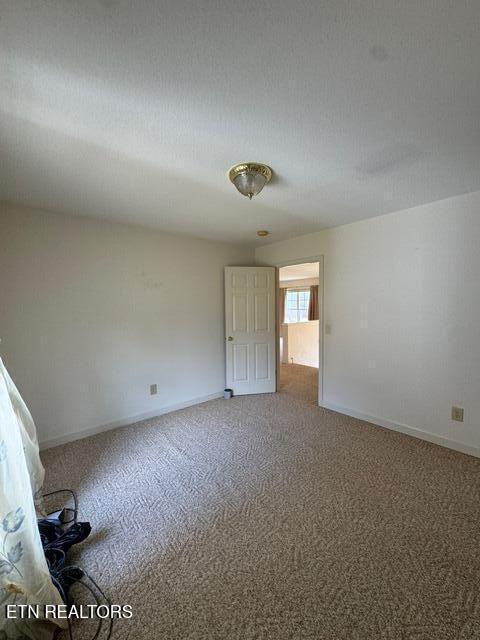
250 177
261 233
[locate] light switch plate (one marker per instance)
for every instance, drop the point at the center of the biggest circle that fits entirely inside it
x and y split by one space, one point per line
153 389
457 414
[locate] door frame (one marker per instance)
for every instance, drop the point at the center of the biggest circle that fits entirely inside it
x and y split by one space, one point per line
321 337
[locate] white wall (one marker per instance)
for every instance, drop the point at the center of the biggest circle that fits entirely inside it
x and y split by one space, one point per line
92 313
302 343
402 300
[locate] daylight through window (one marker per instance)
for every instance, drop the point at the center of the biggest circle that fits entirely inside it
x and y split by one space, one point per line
296 305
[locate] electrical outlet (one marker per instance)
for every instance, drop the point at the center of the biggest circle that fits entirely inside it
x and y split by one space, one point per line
457 414
153 389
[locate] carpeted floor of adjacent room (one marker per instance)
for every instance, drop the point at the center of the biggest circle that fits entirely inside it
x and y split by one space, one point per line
266 517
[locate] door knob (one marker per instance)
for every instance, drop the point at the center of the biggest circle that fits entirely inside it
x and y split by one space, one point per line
230 338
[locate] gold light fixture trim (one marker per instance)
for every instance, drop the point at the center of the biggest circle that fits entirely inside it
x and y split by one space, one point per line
261 233
250 177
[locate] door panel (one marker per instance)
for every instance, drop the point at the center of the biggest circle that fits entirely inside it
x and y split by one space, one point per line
261 280
239 280
240 362
262 304
240 312
261 361
250 329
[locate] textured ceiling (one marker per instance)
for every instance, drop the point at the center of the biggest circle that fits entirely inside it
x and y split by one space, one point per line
135 111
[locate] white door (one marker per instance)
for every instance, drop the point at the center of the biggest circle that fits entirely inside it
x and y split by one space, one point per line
250 329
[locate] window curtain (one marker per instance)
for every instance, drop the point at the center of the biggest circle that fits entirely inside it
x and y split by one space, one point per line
313 313
281 304
24 575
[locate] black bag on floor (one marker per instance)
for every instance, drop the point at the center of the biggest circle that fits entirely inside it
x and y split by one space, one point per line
56 542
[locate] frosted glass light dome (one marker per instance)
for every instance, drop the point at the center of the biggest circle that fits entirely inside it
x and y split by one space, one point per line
250 177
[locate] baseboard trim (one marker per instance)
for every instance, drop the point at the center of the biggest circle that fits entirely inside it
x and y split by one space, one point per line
406 429
123 422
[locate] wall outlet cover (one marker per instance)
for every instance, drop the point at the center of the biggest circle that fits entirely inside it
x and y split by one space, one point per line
457 414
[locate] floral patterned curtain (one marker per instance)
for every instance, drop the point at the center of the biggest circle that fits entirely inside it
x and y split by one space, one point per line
24 575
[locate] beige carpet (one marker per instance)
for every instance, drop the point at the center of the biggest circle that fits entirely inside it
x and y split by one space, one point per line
300 382
266 517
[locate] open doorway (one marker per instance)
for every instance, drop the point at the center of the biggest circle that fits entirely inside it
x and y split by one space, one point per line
299 313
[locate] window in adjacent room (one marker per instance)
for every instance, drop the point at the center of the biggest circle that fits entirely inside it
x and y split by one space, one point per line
296 305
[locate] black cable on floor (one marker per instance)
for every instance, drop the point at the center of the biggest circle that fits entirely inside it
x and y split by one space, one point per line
74 568
97 601
65 509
